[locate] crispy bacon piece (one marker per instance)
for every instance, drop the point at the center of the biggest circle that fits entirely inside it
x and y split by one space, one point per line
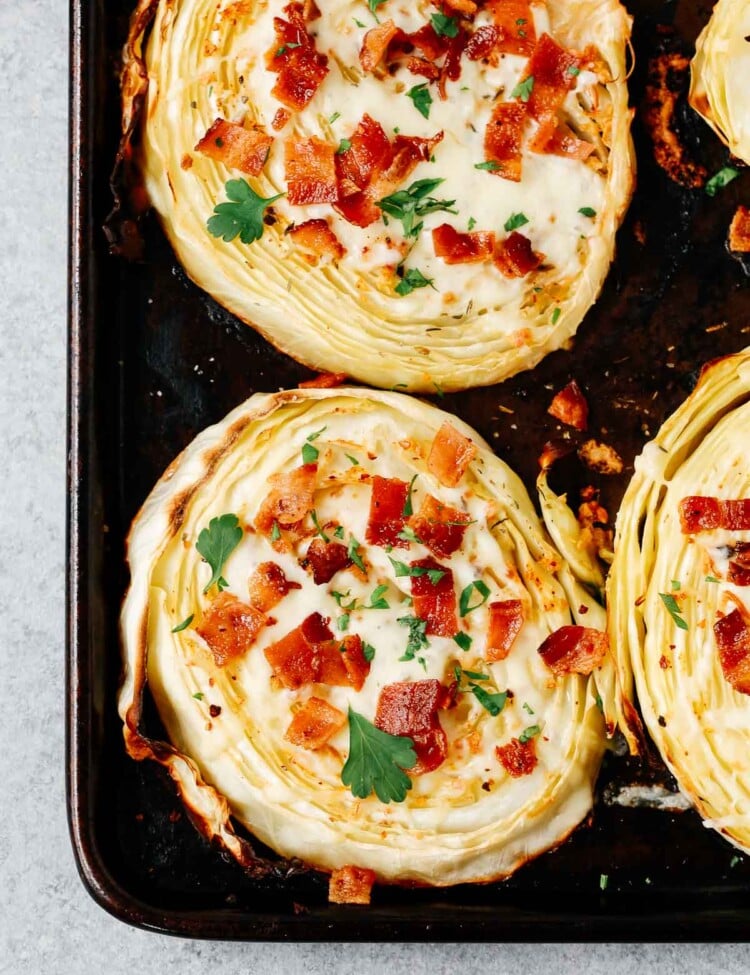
733 640
309 654
600 457
450 454
515 257
310 171
281 117
315 724
408 152
506 620
457 248
434 602
574 650
325 559
375 44
482 43
554 138
229 627
439 526
370 153
451 69
423 67
739 565
427 40
554 71
236 146
317 236
411 709
503 139
699 514
289 500
466 7
300 68
324 380
518 758
356 666
515 25
570 406
739 231
386 518
268 585
351 885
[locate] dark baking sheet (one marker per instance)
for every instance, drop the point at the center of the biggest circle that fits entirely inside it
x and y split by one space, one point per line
153 361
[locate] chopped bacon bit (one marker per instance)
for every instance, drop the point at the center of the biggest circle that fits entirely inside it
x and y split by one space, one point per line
370 153
289 500
466 7
325 559
434 602
375 44
554 72
554 138
295 659
411 709
310 171
268 585
593 519
439 526
317 236
553 451
386 518
600 457
503 139
450 454
428 41
574 650
515 257
236 146
482 42
518 758
280 119
570 406
229 627
668 79
423 67
699 514
408 152
733 640
300 68
314 724
458 248
515 24
324 380
506 620
310 11
351 653
451 70
350 885
739 231
739 570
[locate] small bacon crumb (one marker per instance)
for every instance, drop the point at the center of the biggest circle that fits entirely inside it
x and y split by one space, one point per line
570 406
324 380
732 634
739 231
268 585
514 256
503 139
600 457
236 146
351 885
518 758
375 44
411 708
574 650
450 454
314 724
229 627
506 620
457 248
316 236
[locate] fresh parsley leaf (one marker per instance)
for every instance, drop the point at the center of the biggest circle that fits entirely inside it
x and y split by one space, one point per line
445 26
676 585
409 535
494 703
417 635
490 165
520 22
463 640
352 460
402 569
344 146
515 220
412 280
587 211
242 216
556 312
464 602
198 695
275 532
721 179
599 703
422 99
524 89
603 881
573 71
408 509
309 453
415 201
373 7
377 761
377 600
674 610
472 223
316 434
354 554
359 23
318 529
528 708
474 675
343 622
216 543
184 625
528 733
368 652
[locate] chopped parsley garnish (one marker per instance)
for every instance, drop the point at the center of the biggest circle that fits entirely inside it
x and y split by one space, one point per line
216 543
603 881
377 761
402 569
490 165
184 625
415 201
198 695
473 675
377 600
409 535
515 220
587 211
334 117
352 460
373 6
417 635
599 703
422 99
523 89
721 179
528 733
556 312
341 596
439 391
359 22
463 640
408 508
275 532
520 22
242 216
338 531
676 585
673 608
318 529
368 652
309 453
494 703
445 26
573 71
343 622
464 602
528 708
711 579
472 223
344 146
354 554
412 280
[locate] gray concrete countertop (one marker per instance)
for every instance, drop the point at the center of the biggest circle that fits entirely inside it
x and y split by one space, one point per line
48 924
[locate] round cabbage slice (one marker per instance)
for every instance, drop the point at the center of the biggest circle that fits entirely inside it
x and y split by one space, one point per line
719 71
406 701
380 301
678 596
